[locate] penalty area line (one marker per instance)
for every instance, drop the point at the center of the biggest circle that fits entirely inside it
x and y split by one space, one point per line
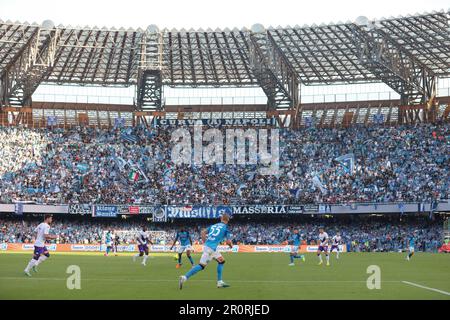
426 288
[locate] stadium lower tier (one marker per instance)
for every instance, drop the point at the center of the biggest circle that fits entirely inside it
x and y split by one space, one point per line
361 233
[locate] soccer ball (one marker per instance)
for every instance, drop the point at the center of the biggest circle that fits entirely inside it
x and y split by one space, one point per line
175 256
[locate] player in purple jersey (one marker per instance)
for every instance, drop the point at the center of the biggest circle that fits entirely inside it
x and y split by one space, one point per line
335 242
142 240
323 246
40 250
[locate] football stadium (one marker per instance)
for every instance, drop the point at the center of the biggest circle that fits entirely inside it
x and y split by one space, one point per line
272 161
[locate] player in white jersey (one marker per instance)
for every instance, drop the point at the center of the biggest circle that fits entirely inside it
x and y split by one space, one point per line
142 240
335 242
323 246
40 250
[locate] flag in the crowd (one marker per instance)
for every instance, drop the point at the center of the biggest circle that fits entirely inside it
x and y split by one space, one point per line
295 192
18 208
133 176
52 121
318 184
249 176
154 123
378 118
309 122
239 190
201 186
83 167
167 172
433 207
35 190
120 162
119 122
142 172
347 161
401 206
55 188
129 137
137 168
169 179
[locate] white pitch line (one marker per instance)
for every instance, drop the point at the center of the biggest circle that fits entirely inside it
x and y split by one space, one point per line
427 288
196 280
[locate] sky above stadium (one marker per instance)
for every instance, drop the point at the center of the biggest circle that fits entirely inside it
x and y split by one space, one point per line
207 13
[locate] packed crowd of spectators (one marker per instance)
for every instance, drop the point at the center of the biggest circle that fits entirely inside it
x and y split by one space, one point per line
134 165
359 235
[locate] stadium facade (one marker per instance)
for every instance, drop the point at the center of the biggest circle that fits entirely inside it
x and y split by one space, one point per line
408 54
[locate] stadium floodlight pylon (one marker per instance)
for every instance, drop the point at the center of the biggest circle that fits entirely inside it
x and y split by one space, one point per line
32 64
395 66
149 89
275 74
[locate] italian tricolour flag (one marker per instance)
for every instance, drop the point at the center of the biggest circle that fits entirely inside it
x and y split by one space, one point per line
133 176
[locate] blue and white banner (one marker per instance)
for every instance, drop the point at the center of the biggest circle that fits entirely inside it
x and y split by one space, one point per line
261 209
109 211
81 209
119 122
347 161
318 184
18 208
197 212
242 122
52 121
378 118
309 122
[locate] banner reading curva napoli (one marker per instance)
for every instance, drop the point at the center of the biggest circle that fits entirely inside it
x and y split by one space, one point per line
256 122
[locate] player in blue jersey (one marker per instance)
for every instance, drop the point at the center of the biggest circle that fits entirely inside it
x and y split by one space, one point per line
108 242
295 240
185 245
212 237
411 243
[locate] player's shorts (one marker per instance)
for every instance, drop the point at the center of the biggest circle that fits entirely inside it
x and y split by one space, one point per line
181 249
323 248
334 246
294 249
411 249
209 254
143 248
40 250
109 244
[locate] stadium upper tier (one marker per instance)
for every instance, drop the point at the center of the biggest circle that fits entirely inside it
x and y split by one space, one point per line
318 54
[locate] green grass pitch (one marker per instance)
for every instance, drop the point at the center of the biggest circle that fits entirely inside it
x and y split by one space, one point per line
251 276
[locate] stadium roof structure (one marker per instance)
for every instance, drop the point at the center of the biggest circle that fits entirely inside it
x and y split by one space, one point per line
407 53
